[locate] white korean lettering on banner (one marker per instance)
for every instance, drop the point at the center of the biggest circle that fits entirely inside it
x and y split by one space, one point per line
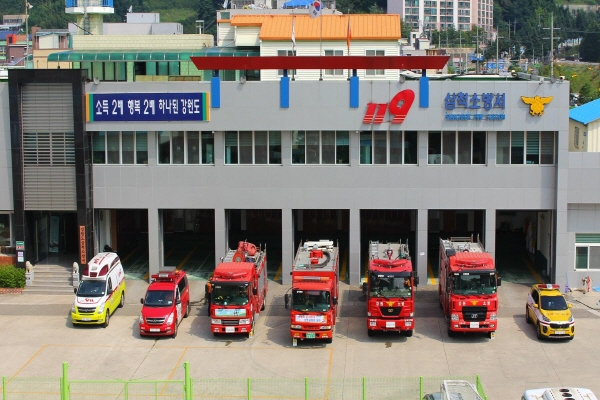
117 107
102 107
175 106
315 319
149 107
196 106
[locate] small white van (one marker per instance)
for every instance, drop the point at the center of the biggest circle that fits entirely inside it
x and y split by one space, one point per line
100 292
566 393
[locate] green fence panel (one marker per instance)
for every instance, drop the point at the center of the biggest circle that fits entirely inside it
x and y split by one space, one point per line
124 390
220 389
279 388
159 390
97 390
31 388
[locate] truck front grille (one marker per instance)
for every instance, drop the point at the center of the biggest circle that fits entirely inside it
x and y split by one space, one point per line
155 321
230 322
86 310
560 326
474 313
390 311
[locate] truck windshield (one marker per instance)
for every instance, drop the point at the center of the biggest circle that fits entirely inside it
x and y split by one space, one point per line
159 298
311 300
390 286
554 303
230 295
474 283
91 288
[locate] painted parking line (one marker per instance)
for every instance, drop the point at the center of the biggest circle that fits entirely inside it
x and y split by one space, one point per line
182 263
432 279
278 273
535 274
37 353
131 253
173 371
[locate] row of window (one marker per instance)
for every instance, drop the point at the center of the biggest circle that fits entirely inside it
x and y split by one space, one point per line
587 251
325 147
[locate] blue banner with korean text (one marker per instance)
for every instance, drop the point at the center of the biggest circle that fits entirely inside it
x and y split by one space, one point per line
475 106
108 107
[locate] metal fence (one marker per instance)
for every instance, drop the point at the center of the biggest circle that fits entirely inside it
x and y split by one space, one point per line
63 388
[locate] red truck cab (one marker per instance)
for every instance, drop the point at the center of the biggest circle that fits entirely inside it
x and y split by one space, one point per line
468 287
314 293
390 289
166 303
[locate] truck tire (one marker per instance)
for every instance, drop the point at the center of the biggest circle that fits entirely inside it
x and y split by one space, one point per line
122 302
408 333
370 332
263 305
174 335
187 310
107 318
539 332
527 318
328 340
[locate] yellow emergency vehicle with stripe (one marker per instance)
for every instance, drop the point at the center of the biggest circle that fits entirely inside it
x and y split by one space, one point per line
549 312
100 292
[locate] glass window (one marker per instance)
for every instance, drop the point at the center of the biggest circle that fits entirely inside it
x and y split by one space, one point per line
163 69
312 147
141 147
533 148
164 147
208 148
517 144
245 150
395 147
261 148
479 148
109 71
374 72
449 148
275 147
231 148
334 72
112 147
410 147
380 148
128 152
342 147
98 147
366 144
547 154
298 147
503 148
587 251
328 147
435 148
193 147
178 147
121 71
5 230
464 147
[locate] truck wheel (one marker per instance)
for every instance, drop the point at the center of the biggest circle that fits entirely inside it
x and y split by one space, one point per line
187 310
539 332
408 333
107 317
527 318
370 332
328 340
450 332
174 331
263 306
122 302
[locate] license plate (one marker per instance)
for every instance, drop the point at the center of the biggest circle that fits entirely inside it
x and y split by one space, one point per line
154 329
474 324
310 335
229 329
559 332
390 324
86 319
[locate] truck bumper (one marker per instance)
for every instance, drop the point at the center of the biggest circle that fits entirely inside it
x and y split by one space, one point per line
156 330
301 335
405 324
230 329
87 319
558 333
467 326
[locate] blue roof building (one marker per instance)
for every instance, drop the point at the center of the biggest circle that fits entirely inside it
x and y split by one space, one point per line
584 127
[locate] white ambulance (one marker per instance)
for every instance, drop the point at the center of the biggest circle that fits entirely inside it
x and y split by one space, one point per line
100 292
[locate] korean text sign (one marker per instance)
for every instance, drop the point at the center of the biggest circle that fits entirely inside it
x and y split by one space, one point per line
107 107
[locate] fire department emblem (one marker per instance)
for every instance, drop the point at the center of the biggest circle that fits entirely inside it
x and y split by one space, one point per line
536 104
390 303
474 302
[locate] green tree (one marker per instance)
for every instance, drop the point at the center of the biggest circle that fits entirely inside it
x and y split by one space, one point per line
589 50
587 93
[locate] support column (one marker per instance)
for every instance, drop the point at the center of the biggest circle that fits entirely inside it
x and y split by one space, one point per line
155 241
421 251
489 241
220 234
287 245
354 247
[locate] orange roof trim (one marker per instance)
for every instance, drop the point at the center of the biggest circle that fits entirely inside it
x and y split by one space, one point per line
334 27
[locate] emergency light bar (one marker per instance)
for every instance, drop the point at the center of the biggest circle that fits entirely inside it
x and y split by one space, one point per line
165 276
544 286
230 275
311 278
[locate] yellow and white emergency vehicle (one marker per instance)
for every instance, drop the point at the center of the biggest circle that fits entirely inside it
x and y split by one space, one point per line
548 310
100 292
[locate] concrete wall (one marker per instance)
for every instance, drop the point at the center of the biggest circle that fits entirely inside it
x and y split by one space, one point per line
6 193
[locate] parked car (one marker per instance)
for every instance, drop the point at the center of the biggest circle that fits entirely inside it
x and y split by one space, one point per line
548 310
566 393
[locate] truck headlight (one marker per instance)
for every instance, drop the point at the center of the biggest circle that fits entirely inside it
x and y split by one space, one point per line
546 319
245 321
326 327
454 317
215 321
368 314
493 316
170 318
141 318
571 319
412 314
73 309
100 309
296 327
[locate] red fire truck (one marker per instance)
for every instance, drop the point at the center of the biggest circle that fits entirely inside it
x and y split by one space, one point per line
467 286
390 289
315 287
238 290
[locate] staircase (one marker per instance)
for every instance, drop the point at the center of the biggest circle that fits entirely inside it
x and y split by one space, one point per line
51 279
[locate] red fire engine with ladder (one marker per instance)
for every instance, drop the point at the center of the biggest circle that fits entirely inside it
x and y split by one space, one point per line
467 286
390 289
238 290
315 287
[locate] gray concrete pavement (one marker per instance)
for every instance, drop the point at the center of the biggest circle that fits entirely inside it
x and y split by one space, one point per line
37 337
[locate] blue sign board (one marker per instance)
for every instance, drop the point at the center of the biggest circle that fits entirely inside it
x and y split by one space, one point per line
477 102
108 107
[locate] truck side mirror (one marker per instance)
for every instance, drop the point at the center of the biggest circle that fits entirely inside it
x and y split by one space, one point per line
499 281
364 288
75 290
335 301
287 301
416 280
142 301
255 290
